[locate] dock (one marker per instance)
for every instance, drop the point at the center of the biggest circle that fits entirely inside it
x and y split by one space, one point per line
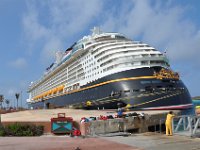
129 133
153 120
142 141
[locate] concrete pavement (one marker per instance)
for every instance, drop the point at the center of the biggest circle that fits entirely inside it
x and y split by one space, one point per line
157 141
60 143
146 141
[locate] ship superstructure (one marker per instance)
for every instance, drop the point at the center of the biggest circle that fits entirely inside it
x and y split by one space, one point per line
106 68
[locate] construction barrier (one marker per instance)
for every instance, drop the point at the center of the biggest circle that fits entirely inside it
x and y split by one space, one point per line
62 124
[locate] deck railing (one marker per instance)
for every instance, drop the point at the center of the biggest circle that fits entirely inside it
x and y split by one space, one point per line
187 124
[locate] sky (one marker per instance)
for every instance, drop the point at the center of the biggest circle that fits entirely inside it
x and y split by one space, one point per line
31 31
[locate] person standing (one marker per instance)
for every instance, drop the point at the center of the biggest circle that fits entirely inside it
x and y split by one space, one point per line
119 111
168 123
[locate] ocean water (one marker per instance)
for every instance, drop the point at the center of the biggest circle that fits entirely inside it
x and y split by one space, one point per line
190 111
196 102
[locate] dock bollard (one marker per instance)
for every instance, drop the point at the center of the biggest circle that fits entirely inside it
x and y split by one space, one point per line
160 125
125 127
120 125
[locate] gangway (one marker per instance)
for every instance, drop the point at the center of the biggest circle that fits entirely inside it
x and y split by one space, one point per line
188 125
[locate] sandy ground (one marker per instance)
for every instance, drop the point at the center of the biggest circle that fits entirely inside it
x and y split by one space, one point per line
46 115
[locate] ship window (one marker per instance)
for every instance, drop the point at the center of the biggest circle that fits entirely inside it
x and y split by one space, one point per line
145 82
126 91
170 86
136 90
142 90
156 81
149 88
159 86
144 62
172 81
166 80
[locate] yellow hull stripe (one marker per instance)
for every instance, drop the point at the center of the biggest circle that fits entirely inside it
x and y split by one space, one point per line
104 83
111 81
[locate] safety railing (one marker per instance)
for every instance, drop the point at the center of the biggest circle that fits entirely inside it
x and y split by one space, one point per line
188 125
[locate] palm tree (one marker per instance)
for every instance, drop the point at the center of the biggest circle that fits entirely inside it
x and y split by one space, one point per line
7 102
1 100
17 97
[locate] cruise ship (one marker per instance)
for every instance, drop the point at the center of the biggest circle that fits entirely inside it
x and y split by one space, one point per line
102 70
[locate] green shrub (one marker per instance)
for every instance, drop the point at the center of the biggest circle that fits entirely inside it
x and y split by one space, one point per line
2 131
21 130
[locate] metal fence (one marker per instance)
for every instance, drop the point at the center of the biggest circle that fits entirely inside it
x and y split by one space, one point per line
187 125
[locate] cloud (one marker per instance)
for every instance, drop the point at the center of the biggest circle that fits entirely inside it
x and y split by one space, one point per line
62 21
8 93
19 63
163 25
53 25
11 92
